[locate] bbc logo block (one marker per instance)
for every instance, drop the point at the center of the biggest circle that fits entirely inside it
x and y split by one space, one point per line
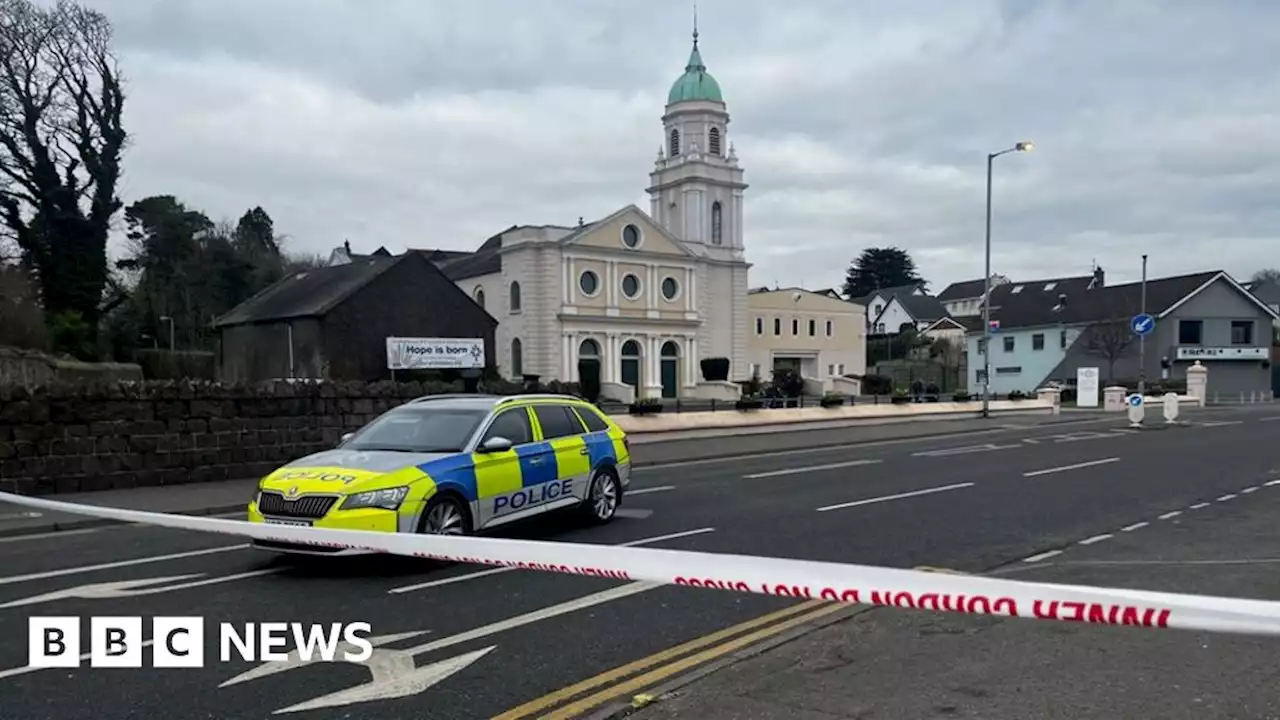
115 642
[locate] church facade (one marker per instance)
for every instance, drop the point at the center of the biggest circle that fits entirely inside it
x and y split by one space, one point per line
648 294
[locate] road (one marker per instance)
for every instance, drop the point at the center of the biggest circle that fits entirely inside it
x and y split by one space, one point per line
467 642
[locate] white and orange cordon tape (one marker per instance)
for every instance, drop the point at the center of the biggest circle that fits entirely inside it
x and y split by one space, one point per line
805 579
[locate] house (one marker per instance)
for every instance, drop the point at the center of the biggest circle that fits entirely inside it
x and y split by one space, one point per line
813 333
343 254
649 295
1268 291
947 328
1049 329
891 309
332 322
964 299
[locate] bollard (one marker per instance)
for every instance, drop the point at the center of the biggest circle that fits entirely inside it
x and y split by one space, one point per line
1171 408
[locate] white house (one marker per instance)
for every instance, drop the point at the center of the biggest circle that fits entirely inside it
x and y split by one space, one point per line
648 294
889 309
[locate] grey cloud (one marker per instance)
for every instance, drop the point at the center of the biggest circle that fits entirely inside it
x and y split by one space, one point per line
417 123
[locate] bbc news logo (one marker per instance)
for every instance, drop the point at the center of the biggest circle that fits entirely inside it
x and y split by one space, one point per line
179 642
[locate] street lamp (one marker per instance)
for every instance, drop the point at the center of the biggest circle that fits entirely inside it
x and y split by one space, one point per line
166 318
986 296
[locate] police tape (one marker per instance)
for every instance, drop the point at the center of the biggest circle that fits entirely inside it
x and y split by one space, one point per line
802 579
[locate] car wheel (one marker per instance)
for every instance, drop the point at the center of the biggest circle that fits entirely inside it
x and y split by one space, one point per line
604 496
445 516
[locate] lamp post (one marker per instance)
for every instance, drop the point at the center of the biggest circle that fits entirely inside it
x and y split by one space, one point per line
986 295
1142 339
166 318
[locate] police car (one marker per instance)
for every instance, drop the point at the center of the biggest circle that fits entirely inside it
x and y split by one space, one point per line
454 465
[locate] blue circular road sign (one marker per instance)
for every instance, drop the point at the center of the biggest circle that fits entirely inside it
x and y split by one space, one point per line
1135 400
1142 324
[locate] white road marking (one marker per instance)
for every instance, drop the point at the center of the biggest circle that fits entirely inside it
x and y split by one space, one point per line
1271 483
899 496
47 535
120 564
810 468
1064 468
13 672
1170 515
295 660
646 491
1248 490
1042 556
1273 418
1135 526
498 571
1221 423
1095 539
1229 496
416 680
131 588
1198 506
966 450
1030 441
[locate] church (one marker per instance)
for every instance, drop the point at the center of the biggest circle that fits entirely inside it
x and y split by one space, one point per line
647 294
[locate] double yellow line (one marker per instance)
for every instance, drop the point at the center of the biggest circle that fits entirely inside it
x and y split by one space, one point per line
669 662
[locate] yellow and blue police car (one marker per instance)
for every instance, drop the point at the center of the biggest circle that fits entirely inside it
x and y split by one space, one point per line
454 465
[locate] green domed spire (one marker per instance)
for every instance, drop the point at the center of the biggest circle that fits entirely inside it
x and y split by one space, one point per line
696 83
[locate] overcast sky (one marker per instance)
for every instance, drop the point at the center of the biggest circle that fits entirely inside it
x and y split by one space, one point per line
437 123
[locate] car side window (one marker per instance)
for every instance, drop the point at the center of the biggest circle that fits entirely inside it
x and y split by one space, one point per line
556 421
512 425
592 420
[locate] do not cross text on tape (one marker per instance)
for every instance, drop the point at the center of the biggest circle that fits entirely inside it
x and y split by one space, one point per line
804 579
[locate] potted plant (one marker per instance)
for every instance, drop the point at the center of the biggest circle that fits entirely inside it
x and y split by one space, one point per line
900 397
831 399
645 406
715 369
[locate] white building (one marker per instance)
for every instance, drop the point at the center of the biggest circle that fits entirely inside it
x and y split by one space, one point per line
649 295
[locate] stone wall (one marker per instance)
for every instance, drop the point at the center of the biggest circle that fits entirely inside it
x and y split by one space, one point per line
59 439
30 368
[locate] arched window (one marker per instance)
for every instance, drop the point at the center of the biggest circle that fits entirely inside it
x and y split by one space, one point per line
589 350
479 296
515 297
675 142
631 349
717 224
517 358
670 349
713 141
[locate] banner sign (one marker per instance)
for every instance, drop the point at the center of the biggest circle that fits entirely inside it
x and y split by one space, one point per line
434 353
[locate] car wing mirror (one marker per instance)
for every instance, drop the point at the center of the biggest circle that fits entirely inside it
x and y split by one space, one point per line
496 445
345 438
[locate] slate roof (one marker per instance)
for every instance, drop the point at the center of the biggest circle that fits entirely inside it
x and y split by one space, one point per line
963 290
1268 291
923 308
1038 307
888 292
484 261
309 293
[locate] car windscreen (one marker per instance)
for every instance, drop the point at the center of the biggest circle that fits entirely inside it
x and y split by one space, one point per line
419 429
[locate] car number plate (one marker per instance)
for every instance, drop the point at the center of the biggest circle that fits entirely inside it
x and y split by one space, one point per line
294 523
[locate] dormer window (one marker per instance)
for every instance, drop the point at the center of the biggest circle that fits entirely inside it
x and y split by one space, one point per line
1050 286
1017 289
675 142
713 141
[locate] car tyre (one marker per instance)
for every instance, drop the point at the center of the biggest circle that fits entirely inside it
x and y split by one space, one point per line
603 496
445 515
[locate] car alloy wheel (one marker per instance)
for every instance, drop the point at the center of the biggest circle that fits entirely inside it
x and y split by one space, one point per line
604 496
444 518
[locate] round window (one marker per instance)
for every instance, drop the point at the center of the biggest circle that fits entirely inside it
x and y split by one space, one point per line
670 288
631 236
631 286
589 282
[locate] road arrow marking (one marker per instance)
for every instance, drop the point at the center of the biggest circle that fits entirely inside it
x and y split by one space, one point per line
383 663
413 682
130 588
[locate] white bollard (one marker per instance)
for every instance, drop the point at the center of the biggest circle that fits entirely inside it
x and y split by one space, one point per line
1136 410
1170 408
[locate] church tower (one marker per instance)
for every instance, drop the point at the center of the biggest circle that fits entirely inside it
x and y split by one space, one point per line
696 187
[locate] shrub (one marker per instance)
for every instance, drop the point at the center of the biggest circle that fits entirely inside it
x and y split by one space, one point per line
645 406
589 378
749 403
21 318
715 369
1017 395
788 383
752 387
831 399
900 396
877 385
961 396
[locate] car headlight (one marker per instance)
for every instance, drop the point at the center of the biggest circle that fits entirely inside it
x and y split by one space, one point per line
387 499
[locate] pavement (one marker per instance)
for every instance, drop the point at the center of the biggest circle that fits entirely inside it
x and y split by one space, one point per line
466 642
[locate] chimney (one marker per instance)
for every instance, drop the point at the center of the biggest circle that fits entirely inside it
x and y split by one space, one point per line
1099 278
346 244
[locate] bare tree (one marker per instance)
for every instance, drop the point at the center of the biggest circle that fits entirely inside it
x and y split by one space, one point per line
1110 340
60 144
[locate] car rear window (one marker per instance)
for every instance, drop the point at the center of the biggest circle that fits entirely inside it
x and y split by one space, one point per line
592 420
557 421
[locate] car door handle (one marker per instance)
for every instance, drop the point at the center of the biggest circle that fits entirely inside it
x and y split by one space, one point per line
584 451
536 460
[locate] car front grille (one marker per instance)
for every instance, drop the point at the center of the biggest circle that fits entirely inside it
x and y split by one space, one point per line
307 506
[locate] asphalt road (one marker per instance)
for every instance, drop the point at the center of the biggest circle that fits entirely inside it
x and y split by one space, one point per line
466 642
